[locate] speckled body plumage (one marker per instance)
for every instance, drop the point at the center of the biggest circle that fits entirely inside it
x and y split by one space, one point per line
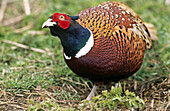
104 43
120 40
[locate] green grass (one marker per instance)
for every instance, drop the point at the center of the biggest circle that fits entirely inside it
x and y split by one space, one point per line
36 69
113 99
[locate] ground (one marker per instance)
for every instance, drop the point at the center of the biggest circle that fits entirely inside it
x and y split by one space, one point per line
34 76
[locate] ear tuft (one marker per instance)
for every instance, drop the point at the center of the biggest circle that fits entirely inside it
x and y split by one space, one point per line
74 17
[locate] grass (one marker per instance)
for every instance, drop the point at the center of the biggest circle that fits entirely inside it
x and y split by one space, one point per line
29 78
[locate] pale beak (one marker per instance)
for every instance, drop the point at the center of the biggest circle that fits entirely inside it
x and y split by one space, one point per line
48 23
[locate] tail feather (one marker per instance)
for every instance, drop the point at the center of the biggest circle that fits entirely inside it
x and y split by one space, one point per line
152 31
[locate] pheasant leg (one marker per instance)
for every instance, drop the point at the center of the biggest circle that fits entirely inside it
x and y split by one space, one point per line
91 93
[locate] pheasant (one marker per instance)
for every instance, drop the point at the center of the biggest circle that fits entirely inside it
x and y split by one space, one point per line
105 43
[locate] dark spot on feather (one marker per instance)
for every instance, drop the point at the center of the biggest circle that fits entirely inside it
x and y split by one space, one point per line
133 38
147 44
144 37
116 34
125 41
126 29
120 33
124 34
137 44
104 24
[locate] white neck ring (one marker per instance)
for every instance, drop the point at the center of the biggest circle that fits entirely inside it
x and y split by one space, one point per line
84 50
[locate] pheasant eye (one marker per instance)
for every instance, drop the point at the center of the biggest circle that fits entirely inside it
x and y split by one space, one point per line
61 17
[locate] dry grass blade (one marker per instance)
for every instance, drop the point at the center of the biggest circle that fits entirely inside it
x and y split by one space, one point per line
15 68
33 32
3 72
152 103
2 9
27 7
4 94
135 84
72 81
26 47
16 106
167 2
166 108
23 29
73 88
13 20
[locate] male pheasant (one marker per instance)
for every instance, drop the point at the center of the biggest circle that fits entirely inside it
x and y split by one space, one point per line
103 43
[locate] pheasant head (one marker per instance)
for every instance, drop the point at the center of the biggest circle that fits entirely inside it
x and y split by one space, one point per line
72 35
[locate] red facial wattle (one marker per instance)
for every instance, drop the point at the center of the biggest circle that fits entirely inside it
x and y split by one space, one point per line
65 23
